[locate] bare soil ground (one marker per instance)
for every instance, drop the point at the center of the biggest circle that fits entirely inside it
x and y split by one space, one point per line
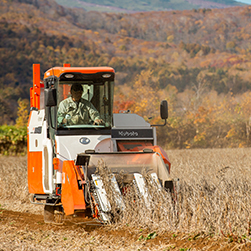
22 226
27 231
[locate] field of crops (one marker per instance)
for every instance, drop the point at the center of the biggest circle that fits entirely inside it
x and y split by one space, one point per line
212 211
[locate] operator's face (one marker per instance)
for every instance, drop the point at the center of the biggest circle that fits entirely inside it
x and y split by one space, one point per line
76 95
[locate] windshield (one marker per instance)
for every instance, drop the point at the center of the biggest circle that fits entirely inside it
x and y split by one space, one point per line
84 104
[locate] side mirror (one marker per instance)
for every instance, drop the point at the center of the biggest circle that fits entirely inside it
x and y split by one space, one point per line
163 112
50 97
164 109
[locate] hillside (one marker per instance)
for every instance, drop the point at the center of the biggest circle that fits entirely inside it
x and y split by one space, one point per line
182 56
141 6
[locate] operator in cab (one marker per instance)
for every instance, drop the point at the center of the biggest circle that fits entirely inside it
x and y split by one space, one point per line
76 110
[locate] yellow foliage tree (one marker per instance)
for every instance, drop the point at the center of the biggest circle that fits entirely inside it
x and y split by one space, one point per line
22 113
146 98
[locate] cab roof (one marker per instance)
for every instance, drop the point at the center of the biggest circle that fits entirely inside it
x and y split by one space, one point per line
58 71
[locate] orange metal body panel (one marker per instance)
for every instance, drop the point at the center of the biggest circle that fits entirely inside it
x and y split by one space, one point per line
32 103
72 197
36 86
35 183
57 71
29 119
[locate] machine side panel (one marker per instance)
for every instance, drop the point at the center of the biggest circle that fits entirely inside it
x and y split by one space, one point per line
35 131
35 173
72 197
69 146
34 155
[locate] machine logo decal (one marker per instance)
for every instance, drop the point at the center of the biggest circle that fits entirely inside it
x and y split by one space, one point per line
129 133
84 141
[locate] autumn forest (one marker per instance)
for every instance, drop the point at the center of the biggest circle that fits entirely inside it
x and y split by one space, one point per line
199 60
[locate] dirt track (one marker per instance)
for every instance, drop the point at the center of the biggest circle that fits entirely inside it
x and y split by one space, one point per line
27 231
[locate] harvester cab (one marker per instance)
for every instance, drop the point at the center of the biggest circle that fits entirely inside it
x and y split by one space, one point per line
72 133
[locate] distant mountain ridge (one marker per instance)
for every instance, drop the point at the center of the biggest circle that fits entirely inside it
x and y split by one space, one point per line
131 6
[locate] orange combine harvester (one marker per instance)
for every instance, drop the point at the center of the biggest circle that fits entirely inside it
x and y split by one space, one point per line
68 138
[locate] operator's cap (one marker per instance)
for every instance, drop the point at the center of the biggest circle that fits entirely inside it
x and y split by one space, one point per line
76 87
